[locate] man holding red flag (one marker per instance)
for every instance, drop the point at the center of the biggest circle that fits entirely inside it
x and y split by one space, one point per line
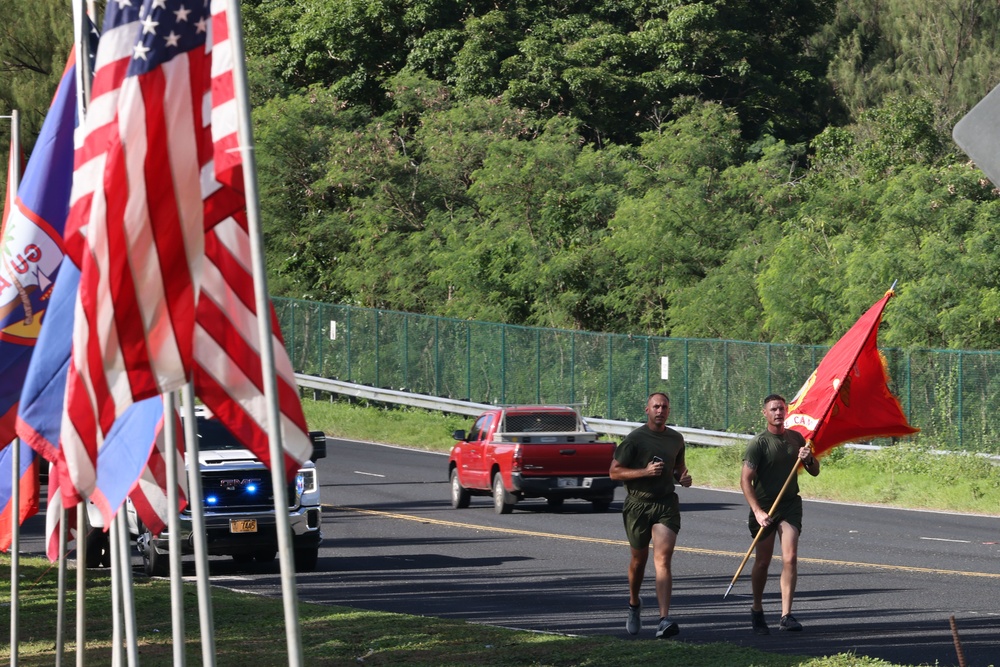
847 397
768 463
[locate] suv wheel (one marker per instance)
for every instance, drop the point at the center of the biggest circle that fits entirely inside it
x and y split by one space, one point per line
305 559
459 494
503 502
154 564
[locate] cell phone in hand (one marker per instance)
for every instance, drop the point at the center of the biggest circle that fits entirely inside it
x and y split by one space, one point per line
657 459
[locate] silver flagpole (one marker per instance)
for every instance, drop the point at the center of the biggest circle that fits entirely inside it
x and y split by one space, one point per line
81 583
83 75
13 182
173 529
197 506
61 587
15 549
121 545
262 301
15 540
117 656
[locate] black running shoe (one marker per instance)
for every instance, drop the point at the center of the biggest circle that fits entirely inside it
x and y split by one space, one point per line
666 629
758 622
789 623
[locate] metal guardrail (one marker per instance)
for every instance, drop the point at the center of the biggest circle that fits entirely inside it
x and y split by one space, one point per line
609 426
692 436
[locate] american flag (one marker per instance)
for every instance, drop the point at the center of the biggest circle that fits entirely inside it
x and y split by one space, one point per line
137 214
156 171
228 376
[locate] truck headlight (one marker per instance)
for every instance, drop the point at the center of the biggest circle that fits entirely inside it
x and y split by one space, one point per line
305 481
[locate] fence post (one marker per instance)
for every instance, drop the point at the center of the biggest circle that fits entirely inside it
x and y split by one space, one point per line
610 372
909 387
538 365
437 357
294 337
468 360
687 384
572 367
725 366
350 378
647 366
377 383
406 351
961 357
503 364
320 341
768 369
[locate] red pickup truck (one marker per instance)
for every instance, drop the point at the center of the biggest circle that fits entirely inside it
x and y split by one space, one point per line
531 451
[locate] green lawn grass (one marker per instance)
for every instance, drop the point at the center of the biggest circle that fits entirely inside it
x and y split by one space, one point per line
248 625
250 630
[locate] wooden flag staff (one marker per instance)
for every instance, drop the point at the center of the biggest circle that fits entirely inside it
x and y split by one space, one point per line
770 513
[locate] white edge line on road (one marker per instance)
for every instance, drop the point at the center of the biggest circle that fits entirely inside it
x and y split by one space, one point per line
945 539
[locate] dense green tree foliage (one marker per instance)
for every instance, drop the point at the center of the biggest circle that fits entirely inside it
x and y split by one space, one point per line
722 168
35 40
678 168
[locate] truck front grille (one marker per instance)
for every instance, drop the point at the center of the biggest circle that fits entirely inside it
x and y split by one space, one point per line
241 491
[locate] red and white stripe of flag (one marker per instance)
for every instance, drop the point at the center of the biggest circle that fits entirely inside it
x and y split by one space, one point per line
149 494
142 154
228 376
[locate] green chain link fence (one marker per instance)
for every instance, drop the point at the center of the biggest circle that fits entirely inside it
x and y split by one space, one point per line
713 384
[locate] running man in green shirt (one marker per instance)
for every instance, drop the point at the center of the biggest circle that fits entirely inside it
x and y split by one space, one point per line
649 460
768 462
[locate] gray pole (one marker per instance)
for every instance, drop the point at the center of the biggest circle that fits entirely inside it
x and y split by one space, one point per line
61 588
13 181
197 507
121 545
83 80
284 529
81 583
117 650
173 529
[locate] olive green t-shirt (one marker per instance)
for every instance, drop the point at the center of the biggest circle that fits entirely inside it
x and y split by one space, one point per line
773 457
638 449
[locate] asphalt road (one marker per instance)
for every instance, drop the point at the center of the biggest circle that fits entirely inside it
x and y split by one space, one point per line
874 581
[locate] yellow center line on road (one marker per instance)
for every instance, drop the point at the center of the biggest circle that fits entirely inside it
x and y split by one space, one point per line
690 550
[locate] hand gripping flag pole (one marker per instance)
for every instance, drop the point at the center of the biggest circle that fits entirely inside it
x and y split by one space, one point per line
846 398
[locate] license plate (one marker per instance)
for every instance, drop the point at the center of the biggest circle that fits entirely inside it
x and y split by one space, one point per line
243 525
568 481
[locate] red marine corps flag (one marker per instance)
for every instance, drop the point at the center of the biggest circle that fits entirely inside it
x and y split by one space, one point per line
847 397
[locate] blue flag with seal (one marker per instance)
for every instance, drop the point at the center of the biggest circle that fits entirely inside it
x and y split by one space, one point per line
31 247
